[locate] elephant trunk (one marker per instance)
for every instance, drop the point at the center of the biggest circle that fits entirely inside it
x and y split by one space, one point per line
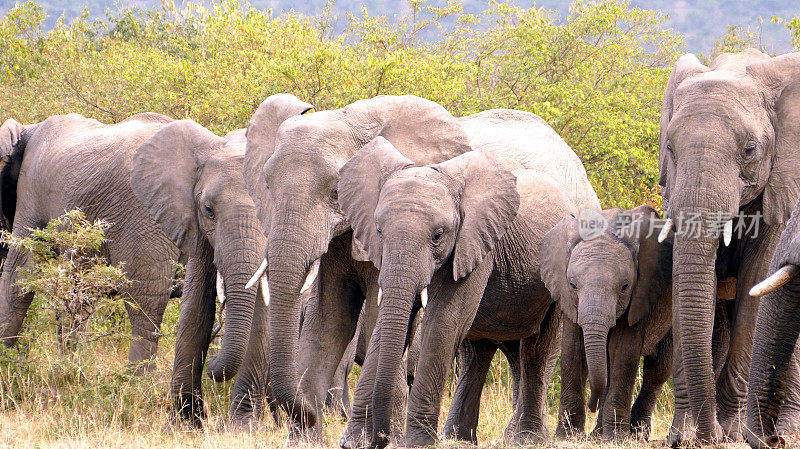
701 201
289 262
237 258
775 337
595 338
596 315
400 289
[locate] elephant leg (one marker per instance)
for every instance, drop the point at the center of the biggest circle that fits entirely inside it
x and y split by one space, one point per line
721 338
732 384
682 421
329 324
772 385
624 348
359 426
572 404
195 321
656 370
535 351
451 311
789 415
510 350
250 386
338 399
14 303
462 419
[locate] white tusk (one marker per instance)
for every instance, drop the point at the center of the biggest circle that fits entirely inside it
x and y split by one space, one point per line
265 290
665 230
380 295
424 296
785 274
727 232
313 270
220 288
257 275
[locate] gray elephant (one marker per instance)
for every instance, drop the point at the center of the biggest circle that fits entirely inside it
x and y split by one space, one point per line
167 188
770 388
292 167
613 288
728 148
445 226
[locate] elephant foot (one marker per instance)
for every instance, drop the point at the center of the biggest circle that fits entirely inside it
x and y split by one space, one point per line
689 436
355 436
299 437
417 438
640 429
732 425
764 442
188 411
788 423
565 431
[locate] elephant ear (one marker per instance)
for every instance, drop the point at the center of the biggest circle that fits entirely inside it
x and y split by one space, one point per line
12 149
420 129
653 262
489 204
360 183
555 249
685 67
261 136
163 176
780 77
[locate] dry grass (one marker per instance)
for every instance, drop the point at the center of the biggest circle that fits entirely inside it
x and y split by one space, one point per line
90 400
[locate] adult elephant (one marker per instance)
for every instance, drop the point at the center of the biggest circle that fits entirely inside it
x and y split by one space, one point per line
777 328
516 141
728 145
167 188
292 167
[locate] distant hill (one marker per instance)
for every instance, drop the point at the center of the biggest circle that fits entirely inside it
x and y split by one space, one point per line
701 21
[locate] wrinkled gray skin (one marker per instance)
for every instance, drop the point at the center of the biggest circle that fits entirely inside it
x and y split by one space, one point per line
777 328
292 168
152 179
443 227
729 144
613 290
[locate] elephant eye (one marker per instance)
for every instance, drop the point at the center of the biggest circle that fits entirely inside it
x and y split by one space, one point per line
438 235
572 285
335 195
749 149
209 211
378 230
625 288
669 146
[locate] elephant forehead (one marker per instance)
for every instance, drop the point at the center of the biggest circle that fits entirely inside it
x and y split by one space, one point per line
601 257
419 196
722 93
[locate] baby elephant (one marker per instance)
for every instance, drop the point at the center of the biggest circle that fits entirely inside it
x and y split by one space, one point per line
613 286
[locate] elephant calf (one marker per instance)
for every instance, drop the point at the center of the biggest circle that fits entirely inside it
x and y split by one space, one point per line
614 290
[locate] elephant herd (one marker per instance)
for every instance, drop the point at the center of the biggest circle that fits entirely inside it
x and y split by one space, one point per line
391 234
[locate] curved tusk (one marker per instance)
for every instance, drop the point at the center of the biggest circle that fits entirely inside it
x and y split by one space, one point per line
424 296
220 288
265 290
777 280
257 275
727 232
313 271
380 295
665 230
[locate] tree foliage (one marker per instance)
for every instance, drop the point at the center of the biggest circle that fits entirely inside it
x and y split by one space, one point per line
597 75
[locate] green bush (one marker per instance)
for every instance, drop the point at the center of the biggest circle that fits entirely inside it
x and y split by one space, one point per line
67 275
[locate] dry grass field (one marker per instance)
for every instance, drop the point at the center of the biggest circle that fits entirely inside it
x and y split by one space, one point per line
90 400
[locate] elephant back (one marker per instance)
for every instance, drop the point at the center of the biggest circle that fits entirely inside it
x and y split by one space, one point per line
523 140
